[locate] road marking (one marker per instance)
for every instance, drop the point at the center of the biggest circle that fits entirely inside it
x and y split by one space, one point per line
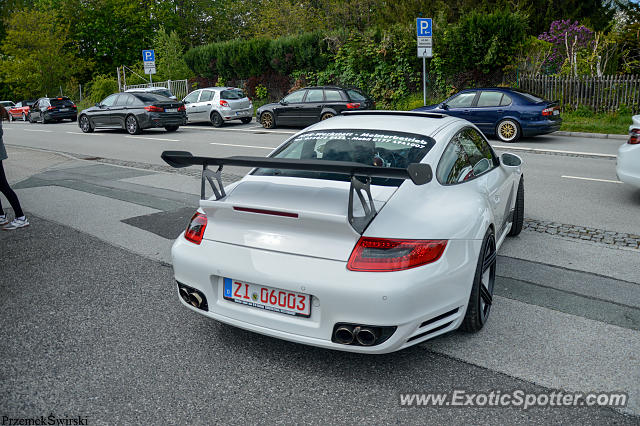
243 146
592 179
36 130
249 130
88 134
153 139
522 148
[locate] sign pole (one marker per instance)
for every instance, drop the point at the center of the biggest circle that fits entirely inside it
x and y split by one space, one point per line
424 81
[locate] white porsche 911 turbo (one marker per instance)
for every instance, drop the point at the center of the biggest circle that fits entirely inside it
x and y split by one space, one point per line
369 232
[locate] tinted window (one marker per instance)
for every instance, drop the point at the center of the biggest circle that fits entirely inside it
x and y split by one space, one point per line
163 92
478 151
314 95
231 94
192 97
206 96
489 99
150 97
61 102
454 165
463 100
468 155
122 100
371 147
506 100
295 96
133 101
354 95
530 97
332 95
109 100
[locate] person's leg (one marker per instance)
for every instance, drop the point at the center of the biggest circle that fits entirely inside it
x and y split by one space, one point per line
9 193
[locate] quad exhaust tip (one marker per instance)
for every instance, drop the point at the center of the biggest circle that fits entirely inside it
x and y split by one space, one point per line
193 297
361 335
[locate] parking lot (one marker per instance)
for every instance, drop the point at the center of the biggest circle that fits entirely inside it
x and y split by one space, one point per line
95 328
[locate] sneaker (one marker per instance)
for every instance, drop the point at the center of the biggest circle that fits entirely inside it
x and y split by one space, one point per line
15 224
3 219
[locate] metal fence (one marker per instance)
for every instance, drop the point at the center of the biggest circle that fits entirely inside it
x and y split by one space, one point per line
180 88
606 93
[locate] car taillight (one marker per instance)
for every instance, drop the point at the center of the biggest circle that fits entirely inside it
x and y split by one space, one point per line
548 111
353 105
224 103
384 254
73 106
195 229
51 107
182 108
634 137
153 108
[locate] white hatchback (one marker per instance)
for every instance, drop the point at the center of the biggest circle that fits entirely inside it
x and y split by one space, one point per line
218 105
628 161
369 232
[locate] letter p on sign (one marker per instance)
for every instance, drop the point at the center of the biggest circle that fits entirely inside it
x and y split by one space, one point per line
423 27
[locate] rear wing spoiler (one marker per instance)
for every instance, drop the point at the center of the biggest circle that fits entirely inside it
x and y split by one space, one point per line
418 173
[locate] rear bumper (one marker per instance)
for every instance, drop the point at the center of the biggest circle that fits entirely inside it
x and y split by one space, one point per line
628 164
157 120
532 128
405 299
61 115
229 114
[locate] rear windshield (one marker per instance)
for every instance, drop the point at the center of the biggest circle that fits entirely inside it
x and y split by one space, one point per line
60 102
356 96
529 96
150 97
163 92
231 94
371 147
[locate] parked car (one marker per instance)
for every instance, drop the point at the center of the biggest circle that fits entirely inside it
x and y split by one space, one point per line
52 109
628 160
310 105
20 110
134 112
290 252
218 105
7 104
503 112
163 91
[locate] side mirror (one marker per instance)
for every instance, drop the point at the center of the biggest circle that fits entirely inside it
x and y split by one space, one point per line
98 105
444 106
283 102
510 160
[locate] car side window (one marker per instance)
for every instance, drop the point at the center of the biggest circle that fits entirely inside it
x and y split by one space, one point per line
192 97
122 100
109 100
314 95
206 96
454 165
295 97
489 99
506 100
333 95
478 151
463 100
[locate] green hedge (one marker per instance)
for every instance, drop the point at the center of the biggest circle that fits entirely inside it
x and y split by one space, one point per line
241 59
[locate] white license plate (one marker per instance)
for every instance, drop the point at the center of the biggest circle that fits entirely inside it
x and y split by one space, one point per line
267 298
556 112
171 110
64 109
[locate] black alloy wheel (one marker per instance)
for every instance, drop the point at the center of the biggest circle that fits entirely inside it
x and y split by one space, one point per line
85 124
481 297
216 119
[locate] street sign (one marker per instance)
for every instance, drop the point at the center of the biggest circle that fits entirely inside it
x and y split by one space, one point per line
423 26
425 52
150 67
424 41
149 60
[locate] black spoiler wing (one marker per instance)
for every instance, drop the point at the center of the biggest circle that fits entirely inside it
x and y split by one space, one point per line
418 173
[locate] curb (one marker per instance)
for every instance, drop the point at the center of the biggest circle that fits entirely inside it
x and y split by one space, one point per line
591 135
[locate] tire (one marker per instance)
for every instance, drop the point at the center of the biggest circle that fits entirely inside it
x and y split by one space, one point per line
132 126
85 124
508 131
246 120
24 117
171 128
267 120
481 295
518 211
216 119
326 116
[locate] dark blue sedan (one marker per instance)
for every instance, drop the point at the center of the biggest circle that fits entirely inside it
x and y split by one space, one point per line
503 112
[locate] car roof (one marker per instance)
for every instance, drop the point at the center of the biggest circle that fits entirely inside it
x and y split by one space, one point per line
220 88
398 121
144 89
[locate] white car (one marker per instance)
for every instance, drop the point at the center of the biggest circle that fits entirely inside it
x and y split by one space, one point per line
369 232
218 105
628 161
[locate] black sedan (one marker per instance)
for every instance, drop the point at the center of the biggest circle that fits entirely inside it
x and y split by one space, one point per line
52 109
134 112
310 105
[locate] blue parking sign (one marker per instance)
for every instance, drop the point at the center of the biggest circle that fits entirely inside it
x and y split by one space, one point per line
148 55
423 26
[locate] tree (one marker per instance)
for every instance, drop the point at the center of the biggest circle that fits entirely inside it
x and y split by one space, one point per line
169 56
37 63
